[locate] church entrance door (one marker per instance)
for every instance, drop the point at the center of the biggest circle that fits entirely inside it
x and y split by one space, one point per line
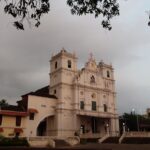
94 125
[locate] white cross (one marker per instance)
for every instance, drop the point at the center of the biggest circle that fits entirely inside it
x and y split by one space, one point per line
91 56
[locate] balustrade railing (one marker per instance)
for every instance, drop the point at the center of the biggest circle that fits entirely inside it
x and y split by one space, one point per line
137 134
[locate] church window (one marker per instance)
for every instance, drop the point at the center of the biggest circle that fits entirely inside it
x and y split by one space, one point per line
55 91
81 104
18 120
108 74
56 65
93 105
1 117
31 116
105 108
92 79
69 63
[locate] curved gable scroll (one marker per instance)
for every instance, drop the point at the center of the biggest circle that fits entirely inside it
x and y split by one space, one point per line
91 65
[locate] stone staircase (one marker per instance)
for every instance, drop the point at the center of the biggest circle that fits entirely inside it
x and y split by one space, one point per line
103 138
122 137
41 142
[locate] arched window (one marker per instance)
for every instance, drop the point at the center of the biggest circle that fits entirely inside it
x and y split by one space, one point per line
92 79
81 104
31 116
108 74
18 120
105 108
55 91
94 105
56 65
69 63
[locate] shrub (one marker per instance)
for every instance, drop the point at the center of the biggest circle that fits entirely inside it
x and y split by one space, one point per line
13 142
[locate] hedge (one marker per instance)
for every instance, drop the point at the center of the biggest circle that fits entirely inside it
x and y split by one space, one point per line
13 141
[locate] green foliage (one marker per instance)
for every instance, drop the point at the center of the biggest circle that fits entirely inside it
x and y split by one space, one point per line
26 9
3 102
13 142
131 121
32 10
134 121
107 8
1 137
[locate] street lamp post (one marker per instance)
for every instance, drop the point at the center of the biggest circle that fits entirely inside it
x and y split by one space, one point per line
107 128
124 130
137 119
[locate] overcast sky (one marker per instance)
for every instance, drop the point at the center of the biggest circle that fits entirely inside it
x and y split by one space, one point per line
24 56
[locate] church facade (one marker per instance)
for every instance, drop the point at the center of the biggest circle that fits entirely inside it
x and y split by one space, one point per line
76 102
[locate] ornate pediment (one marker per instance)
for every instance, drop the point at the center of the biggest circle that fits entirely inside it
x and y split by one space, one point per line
91 64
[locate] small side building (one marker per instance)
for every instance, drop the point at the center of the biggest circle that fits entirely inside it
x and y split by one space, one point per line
12 121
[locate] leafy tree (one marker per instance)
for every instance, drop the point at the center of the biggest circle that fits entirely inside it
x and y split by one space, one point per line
131 121
107 8
26 9
134 122
32 10
3 102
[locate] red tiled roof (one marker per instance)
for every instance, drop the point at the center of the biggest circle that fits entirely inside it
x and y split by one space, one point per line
43 92
13 113
18 130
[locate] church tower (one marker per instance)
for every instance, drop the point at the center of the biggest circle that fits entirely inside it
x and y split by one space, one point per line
63 68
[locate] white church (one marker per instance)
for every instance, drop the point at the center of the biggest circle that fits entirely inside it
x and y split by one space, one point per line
76 102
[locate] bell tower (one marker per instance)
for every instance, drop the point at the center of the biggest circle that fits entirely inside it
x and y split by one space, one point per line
63 67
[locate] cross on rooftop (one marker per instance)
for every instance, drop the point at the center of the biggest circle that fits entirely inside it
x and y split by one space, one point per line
91 56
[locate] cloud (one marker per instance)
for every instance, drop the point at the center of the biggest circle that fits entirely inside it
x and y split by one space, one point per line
24 56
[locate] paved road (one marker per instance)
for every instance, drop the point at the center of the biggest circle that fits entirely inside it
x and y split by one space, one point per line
91 146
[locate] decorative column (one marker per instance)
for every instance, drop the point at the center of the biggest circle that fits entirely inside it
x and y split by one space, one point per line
107 128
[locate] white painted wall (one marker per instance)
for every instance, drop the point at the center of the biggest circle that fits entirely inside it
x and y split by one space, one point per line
44 106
